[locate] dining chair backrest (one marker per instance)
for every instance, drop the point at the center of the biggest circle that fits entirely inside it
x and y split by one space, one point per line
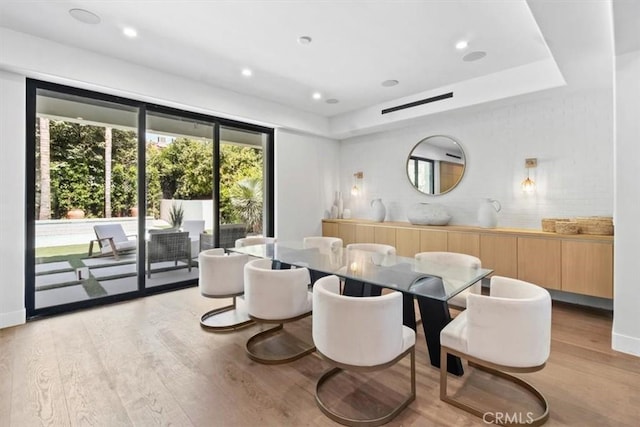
275 294
359 331
324 244
250 241
221 274
373 247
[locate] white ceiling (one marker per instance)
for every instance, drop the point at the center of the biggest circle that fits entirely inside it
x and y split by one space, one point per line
356 44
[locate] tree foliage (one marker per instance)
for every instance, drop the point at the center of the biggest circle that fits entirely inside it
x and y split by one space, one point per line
182 169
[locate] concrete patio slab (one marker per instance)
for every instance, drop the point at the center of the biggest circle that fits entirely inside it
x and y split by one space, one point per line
55 278
59 296
52 266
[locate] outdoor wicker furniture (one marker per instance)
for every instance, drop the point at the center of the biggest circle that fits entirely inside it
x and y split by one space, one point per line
168 245
229 233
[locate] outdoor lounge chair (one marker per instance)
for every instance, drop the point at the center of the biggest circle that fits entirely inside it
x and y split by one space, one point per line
168 245
112 240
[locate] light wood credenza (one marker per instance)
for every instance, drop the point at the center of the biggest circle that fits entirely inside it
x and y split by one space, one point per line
581 264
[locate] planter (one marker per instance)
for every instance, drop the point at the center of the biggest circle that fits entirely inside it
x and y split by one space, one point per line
133 212
75 214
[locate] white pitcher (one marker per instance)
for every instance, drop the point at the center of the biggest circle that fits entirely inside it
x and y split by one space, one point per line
378 211
488 213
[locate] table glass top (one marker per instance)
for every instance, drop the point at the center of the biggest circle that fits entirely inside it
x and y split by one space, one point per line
421 278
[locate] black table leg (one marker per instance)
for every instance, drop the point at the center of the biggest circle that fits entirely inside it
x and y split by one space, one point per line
435 316
408 311
353 288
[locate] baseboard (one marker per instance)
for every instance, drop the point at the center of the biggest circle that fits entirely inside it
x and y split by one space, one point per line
13 318
625 344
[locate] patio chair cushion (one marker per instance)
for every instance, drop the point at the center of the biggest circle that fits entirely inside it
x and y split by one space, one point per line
115 232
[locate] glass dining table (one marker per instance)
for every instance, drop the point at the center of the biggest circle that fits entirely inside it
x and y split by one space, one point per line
430 284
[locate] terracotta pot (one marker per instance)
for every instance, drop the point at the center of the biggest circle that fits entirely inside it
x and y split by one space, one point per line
133 211
75 214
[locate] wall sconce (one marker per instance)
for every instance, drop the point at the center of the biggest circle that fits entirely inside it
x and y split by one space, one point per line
357 184
528 185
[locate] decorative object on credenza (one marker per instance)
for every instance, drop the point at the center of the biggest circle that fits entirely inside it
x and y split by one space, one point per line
549 224
595 225
346 214
566 227
378 211
488 213
338 206
428 214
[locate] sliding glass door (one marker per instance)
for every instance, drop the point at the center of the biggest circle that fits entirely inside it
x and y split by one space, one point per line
123 195
85 163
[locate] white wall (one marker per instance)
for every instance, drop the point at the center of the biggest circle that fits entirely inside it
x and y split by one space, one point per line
12 199
569 133
306 178
626 323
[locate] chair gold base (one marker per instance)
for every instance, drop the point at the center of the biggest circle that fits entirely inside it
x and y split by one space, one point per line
226 319
275 346
370 422
497 370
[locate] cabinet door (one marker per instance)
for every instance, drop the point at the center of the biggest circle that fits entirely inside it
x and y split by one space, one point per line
500 253
330 229
433 241
539 261
347 232
407 241
587 268
364 234
385 236
464 243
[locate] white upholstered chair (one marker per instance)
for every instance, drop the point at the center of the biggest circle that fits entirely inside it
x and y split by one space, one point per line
324 244
355 288
359 334
112 240
222 276
276 297
508 331
373 247
249 241
194 227
453 259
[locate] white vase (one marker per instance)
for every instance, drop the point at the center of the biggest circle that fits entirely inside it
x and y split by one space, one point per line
378 210
340 206
428 214
488 213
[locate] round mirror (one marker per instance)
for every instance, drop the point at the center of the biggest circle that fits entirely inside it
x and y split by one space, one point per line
436 165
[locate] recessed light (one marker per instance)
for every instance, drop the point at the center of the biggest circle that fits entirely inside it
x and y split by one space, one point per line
130 32
332 101
462 44
304 40
85 16
474 56
80 118
316 95
389 83
247 72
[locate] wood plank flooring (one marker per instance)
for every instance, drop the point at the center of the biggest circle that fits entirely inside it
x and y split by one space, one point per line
147 362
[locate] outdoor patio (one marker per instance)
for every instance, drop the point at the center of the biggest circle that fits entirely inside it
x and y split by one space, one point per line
57 279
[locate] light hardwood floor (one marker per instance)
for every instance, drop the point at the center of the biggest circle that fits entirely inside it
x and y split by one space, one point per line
147 362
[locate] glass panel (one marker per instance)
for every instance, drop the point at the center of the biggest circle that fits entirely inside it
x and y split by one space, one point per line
86 174
242 180
179 196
